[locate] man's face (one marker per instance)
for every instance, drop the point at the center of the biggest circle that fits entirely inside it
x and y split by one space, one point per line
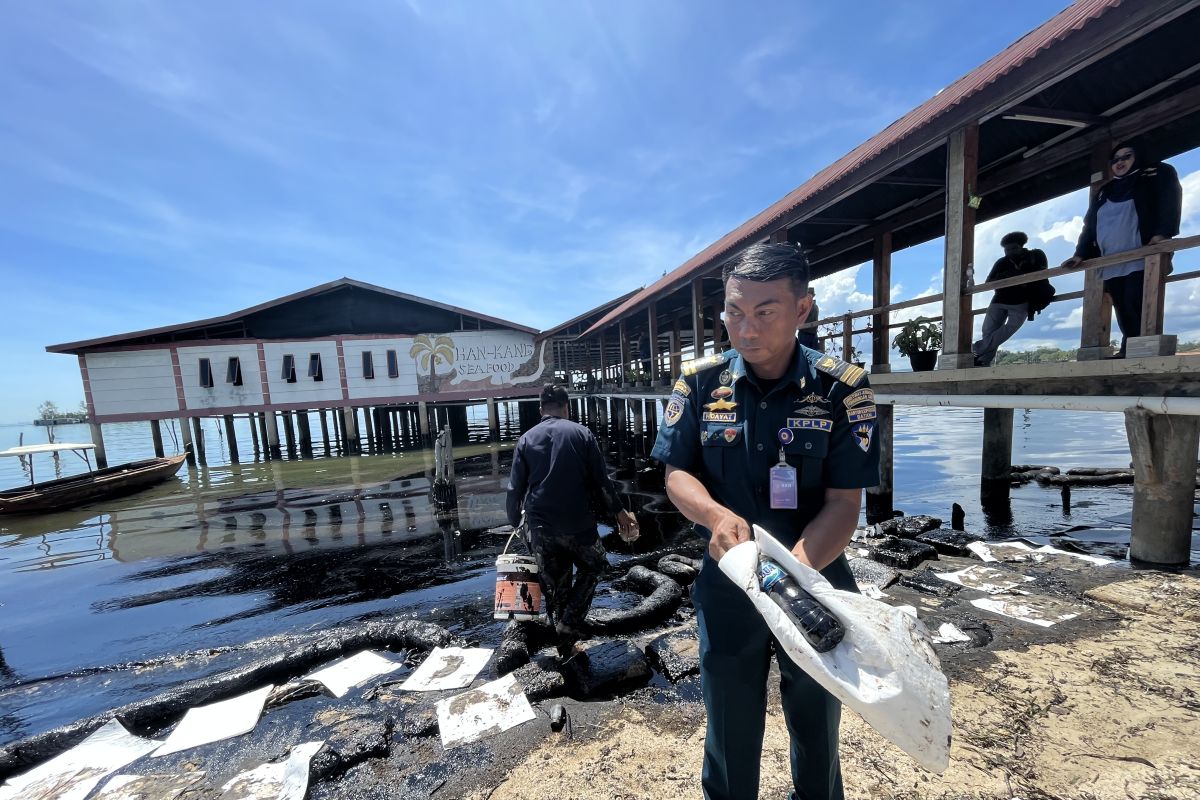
1122 162
762 317
1011 249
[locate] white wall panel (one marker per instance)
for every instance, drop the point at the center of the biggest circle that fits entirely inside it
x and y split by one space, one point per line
381 386
305 389
132 382
222 394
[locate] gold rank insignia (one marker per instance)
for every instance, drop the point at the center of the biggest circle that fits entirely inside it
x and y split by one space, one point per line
694 366
681 388
844 371
720 405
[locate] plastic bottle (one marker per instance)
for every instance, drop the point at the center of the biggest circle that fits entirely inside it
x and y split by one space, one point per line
821 628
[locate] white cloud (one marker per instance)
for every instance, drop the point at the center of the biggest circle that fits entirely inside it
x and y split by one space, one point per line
1067 230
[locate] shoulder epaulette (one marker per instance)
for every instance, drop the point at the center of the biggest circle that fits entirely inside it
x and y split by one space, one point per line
844 371
707 362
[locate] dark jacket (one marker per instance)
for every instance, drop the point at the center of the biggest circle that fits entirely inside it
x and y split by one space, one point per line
1023 263
1158 198
558 474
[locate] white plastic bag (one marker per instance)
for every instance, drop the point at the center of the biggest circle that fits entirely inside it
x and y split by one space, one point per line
885 667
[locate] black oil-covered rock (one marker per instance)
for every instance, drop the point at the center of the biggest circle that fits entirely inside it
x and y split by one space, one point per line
605 668
301 653
866 570
927 582
949 542
902 553
909 527
675 655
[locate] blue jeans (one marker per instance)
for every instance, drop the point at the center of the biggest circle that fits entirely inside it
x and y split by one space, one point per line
735 659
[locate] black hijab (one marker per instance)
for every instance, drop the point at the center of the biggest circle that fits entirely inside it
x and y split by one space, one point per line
1120 189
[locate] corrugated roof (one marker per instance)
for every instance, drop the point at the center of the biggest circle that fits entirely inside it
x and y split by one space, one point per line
70 347
1015 55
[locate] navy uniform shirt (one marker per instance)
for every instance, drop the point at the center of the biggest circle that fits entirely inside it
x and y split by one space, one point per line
558 474
724 426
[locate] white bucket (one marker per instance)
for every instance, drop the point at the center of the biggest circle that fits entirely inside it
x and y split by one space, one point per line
518 593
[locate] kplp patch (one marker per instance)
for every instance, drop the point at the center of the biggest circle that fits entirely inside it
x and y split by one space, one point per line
810 424
862 435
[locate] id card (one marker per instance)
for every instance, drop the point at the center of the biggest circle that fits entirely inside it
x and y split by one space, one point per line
783 486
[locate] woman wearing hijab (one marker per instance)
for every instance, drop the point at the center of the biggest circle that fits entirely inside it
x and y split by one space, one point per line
1139 206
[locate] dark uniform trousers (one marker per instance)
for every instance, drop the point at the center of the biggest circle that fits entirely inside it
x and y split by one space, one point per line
724 427
570 566
735 659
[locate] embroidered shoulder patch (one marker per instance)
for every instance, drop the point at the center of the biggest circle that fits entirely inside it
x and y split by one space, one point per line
681 388
860 397
673 411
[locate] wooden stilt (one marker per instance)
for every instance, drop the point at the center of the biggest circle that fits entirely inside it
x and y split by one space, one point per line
156 435
231 439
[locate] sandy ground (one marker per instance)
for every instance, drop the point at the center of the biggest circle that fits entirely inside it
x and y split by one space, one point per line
1110 713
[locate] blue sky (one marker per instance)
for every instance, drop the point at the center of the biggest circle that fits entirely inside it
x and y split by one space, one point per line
162 162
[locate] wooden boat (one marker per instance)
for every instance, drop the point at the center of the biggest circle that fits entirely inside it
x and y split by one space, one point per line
76 490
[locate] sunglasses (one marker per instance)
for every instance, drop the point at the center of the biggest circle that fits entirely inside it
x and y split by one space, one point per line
1117 159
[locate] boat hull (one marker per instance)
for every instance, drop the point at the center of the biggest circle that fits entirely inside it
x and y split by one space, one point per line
77 490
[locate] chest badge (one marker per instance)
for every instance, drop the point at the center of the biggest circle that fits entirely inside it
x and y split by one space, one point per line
722 393
812 411
720 405
786 436
731 434
726 377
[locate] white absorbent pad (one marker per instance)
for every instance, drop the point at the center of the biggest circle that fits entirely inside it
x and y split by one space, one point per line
885 668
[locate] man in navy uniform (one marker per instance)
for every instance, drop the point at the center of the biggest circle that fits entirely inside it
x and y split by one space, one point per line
558 475
783 436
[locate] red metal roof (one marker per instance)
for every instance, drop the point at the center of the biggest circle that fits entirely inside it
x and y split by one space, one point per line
1015 55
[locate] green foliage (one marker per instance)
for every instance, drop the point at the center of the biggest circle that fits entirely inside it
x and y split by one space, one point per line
918 335
1042 355
49 410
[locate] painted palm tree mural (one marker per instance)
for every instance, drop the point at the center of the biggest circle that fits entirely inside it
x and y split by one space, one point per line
428 352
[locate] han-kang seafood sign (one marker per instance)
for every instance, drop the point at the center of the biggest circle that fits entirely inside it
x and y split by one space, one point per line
476 359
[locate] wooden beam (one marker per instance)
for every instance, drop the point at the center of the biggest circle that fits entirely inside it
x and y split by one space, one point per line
850 221
962 160
1054 116
652 321
901 180
881 295
718 329
697 318
623 332
779 236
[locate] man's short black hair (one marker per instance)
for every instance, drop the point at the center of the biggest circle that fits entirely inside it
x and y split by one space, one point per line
554 396
1016 237
770 262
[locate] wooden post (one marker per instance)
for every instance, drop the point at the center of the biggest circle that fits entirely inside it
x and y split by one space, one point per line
623 337
962 156
718 329
1151 341
271 422
289 434
639 425
697 318
198 437
156 435
423 421
404 426
252 418
98 440
879 498
369 420
493 420
231 439
997 444
652 322
185 428
847 338
350 425
1096 325
1164 467
324 430
305 430
262 431
881 340
603 358
676 347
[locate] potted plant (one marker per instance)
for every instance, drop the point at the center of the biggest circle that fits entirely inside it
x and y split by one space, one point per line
921 340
